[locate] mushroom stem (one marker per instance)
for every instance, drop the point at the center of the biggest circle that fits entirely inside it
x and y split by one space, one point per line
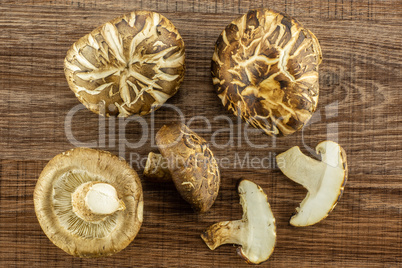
225 232
156 168
94 201
293 161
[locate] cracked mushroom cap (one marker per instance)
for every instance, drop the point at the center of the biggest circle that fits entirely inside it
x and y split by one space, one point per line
89 203
265 69
191 163
129 65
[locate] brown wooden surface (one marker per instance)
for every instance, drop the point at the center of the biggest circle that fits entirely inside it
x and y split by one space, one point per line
360 76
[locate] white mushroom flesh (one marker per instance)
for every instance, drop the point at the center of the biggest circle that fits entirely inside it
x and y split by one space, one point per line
323 179
102 199
255 232
94 201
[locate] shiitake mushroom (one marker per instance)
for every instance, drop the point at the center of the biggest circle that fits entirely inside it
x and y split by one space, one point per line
265 69
187 160
129 65
89 202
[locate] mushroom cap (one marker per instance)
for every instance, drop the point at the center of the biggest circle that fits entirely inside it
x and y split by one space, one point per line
325 180
53 206
129 65
192 165
265 69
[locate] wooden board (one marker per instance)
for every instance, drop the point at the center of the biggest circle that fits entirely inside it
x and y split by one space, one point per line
360 106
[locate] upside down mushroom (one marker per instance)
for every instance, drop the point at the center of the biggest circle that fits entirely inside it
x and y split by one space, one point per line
255 232
129 65
265 70
89 203
324 180
187 160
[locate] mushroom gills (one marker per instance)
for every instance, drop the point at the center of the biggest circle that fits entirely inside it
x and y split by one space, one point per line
63 202
89 202
324 180
255 232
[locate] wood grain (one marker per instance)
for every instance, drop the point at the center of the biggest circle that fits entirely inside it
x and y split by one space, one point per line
360 100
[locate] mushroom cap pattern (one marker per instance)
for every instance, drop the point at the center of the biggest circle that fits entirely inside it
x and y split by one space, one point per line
325 180
103 188
255 232
191 163
265 69
130 65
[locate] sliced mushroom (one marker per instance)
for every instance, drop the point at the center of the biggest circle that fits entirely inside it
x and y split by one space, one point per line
325 180
187 160
265 69
255 232
129 65
89 203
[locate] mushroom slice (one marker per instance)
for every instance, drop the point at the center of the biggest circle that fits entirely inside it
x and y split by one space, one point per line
324 180
265 70
187 160
255 232
89 203
129 65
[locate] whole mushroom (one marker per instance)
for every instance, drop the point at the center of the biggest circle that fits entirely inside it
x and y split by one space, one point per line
265 69
89 203
187 160
129 65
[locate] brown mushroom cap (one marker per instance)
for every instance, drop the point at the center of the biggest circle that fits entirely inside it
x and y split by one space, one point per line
130 65
265 69
192 165
59 180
